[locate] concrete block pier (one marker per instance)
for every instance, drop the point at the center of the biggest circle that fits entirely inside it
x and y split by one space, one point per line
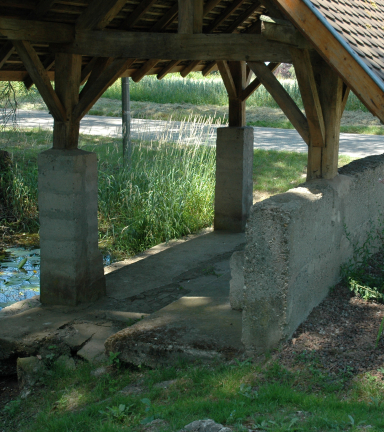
71 264
234 187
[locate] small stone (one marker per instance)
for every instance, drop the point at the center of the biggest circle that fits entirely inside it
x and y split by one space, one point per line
66 362
99 371
205 426
30 370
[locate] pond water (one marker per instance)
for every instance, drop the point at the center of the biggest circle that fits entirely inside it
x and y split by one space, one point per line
20 274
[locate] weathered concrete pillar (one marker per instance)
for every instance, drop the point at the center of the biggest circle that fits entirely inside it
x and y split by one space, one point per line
234 187
71 264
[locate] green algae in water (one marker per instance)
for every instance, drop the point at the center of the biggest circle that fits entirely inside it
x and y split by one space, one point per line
16 283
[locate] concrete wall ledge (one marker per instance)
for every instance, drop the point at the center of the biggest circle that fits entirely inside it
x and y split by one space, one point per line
296 243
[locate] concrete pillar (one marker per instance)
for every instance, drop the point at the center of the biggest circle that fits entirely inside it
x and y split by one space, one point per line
234 186
71 263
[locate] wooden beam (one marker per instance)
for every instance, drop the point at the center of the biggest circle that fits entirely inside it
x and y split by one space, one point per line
346 91
255 84
99 14
67 83
105 79
36 31
335 54
190 16
286 34
309 95
167 69
226 76
6 52
140 73
285 102
42 7
47 64
39 75
232 47
137 14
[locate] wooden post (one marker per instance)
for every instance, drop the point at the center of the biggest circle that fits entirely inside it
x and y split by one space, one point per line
126 118
190 16
236 115
67 84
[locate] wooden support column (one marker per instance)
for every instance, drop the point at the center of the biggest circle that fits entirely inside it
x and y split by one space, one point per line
67 84
236 115
324 97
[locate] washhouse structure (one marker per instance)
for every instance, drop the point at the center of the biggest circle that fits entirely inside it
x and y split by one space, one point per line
335 46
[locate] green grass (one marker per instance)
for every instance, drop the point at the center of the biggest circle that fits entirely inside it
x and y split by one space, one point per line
241 395
166 193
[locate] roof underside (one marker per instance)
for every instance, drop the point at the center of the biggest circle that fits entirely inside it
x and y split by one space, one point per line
227 16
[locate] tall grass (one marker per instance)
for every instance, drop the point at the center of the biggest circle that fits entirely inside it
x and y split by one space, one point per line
208 91
165 192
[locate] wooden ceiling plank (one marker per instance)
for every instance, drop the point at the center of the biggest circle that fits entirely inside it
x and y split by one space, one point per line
225 15
99 14
105 79
140 73
6 52
47 63
42 7
309 95
137 14
166 19
39 75
283 99
255 84
227 78
243 17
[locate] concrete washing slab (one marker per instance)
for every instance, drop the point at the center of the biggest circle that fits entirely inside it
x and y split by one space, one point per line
183 284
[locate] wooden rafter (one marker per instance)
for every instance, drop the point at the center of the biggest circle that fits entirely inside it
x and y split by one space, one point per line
6 52
283 99
42 7
89 96
99 14
166 19
39 75
272 9
137 14
140 73
243 17
209 68
228 11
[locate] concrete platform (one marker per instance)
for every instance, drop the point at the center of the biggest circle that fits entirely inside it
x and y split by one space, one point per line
184 285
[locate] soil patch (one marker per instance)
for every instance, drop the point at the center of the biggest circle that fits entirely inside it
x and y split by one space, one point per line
338 337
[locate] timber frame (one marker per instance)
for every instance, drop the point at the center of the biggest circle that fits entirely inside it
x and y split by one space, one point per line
94 42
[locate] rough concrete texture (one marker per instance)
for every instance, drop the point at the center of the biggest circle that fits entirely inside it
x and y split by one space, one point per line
236 284
200 325
234 185
198 266
71 264
296 243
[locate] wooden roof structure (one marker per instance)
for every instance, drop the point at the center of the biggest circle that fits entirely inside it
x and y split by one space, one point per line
94 42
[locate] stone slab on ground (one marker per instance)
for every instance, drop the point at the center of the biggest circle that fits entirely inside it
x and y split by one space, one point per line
198 267
192 328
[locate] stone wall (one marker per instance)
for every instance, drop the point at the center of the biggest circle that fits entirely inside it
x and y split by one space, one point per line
296 243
